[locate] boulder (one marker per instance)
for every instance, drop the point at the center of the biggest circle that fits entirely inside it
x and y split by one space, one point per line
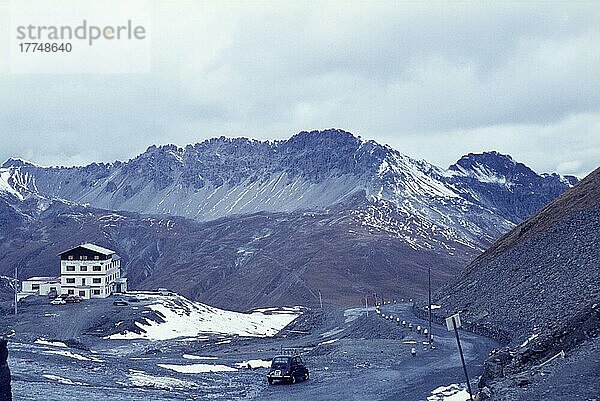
5 393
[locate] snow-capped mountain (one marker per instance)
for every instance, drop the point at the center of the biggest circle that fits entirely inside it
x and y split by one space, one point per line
474 201
271 222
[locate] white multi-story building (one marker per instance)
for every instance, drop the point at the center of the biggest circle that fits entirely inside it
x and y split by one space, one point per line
91 271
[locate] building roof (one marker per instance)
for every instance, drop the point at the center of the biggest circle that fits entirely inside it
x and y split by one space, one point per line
44 279
91 247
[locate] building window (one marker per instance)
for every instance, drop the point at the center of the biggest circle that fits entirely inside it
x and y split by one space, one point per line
96 292
70 257
96 257
82 293
71 292
35 286
70 280
97 268
70 268
83 257
97 281
82 268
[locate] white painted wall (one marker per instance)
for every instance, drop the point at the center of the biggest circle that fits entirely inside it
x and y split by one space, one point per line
98 275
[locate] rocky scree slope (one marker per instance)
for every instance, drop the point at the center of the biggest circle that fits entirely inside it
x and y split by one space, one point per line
539 288
240 262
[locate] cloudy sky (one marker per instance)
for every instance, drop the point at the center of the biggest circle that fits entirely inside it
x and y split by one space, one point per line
434 80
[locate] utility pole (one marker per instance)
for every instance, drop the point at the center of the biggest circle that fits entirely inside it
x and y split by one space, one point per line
15 284
429 333
453 323
320 299
367 305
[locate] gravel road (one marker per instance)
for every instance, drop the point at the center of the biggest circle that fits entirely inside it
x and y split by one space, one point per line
350 355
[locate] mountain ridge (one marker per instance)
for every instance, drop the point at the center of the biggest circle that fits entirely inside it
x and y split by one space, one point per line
310 171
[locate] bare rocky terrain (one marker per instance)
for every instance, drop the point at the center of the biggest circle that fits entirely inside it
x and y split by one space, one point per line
350 356
240 223
263 259
537 288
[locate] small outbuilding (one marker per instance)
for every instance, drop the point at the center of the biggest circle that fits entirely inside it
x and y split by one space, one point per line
41 285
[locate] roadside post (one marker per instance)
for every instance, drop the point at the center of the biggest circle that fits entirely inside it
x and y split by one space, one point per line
453 323
429 331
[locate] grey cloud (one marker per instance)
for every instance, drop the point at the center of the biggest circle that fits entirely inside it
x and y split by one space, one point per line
435 80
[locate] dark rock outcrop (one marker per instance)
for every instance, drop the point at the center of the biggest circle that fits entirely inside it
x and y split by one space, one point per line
511 189
5 391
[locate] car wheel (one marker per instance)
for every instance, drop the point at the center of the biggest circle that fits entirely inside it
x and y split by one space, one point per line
293 379
270 380
306 376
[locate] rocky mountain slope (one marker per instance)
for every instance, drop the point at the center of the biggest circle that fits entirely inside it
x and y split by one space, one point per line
539 288
239 262
475 200
241 223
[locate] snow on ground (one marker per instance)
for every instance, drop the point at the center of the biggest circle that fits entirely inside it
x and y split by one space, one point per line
139 378
185 318
197 368
532 337
332 332
329 341
198 357
43 341
353 313
453 392
277 309
64 380
73 355
253 364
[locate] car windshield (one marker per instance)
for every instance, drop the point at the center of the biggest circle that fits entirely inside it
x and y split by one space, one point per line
279 362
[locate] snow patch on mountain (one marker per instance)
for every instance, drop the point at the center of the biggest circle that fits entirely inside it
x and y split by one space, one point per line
6 186
483 174
184 318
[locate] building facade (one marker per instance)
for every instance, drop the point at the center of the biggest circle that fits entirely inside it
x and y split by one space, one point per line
41 285
91 271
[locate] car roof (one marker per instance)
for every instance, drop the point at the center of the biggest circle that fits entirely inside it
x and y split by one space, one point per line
283 356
